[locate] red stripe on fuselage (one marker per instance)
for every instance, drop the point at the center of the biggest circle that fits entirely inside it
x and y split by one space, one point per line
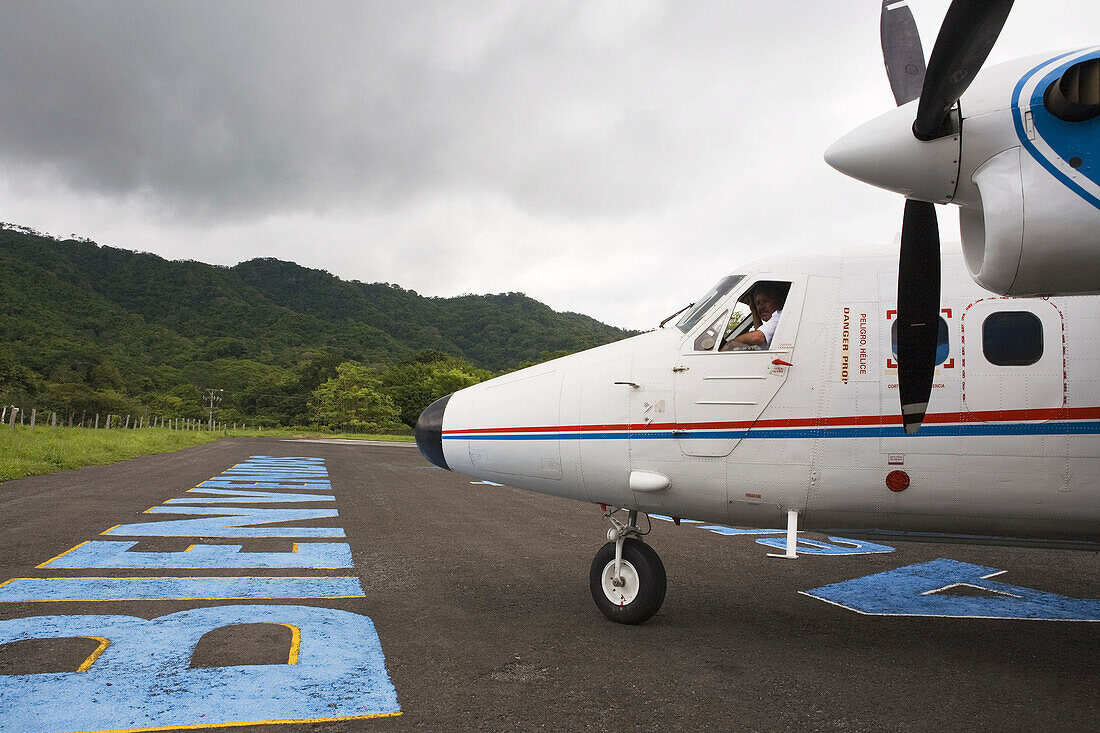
943 418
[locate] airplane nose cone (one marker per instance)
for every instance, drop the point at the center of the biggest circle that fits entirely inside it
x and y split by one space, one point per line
884 153
429 432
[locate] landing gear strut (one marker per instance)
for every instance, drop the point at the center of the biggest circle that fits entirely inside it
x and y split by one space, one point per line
627 578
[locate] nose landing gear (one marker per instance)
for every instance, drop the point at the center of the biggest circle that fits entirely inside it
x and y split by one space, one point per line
627 578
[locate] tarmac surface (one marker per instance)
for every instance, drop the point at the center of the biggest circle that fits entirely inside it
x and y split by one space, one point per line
479 596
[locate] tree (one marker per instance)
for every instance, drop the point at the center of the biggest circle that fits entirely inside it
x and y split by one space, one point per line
105 375
420 380
353 401
15 379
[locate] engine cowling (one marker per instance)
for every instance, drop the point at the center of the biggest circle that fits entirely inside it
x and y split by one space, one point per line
1035 228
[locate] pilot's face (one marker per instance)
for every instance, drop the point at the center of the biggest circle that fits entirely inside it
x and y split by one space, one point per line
765 306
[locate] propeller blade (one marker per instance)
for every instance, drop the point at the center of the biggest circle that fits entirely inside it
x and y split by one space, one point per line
966 37
918 310
901 50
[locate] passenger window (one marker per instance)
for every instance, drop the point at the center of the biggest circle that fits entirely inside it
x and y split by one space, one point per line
1012 338
708 338
943 346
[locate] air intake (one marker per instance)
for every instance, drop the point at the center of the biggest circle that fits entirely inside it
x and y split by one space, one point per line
1075 96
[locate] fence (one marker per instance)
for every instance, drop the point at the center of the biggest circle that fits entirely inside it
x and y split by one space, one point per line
111 421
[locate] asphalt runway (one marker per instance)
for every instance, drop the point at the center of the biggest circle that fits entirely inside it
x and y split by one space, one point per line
479 598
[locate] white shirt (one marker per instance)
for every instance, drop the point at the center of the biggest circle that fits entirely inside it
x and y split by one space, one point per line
768 328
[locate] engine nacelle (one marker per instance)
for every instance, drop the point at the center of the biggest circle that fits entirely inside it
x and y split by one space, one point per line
1032 235
1022 163
1035 229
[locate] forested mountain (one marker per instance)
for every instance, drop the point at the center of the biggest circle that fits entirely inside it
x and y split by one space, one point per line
95 327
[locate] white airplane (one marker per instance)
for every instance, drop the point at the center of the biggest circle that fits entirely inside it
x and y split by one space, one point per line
728 417
667 422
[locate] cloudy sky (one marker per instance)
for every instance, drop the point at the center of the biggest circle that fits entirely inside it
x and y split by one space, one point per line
611 157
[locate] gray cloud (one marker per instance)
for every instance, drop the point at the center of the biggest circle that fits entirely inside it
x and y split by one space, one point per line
231 107
466 145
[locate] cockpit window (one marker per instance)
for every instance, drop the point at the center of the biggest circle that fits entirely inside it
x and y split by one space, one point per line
709 337
693 316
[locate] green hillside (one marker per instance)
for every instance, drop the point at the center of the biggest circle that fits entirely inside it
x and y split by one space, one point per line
90 328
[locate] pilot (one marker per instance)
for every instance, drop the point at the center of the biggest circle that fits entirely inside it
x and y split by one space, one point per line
767 304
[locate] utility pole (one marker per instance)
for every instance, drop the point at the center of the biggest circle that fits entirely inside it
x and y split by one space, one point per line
215 396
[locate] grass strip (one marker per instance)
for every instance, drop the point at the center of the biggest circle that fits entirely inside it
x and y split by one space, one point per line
24 452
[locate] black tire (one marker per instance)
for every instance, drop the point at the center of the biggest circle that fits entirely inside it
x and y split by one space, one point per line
651 582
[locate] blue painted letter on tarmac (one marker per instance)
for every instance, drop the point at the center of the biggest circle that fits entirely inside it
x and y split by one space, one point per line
735 531
265 472
179 589
844 546
926 590
230 522
116 554
246 496
143 679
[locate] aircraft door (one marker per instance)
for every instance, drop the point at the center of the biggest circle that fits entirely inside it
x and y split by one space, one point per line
720 393
1014 357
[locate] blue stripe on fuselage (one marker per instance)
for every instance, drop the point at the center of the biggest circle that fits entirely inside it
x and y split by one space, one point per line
1046 124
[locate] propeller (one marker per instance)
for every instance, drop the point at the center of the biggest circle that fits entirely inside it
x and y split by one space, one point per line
918 309
902 51
966 37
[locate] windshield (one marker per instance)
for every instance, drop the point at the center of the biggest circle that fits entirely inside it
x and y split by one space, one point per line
704 304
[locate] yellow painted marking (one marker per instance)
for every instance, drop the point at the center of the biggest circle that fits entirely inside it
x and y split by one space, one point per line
109 529
295 642
7 581
103 644
63 554
247 722
189 548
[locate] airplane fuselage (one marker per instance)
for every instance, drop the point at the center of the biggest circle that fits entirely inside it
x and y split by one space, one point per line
667 423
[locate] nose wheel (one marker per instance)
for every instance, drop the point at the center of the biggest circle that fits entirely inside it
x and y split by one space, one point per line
627 578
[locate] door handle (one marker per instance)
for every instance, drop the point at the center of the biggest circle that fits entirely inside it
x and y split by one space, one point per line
630 384
779 362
